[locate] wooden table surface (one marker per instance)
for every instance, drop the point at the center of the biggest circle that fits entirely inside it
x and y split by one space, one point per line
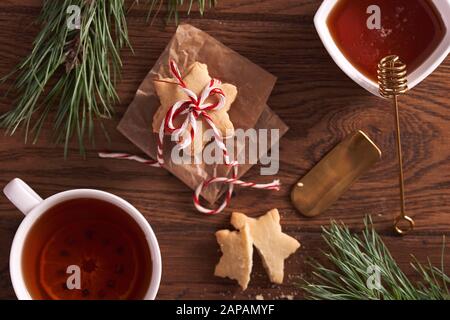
319 103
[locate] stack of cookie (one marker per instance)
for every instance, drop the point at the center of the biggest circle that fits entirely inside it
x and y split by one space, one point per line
266 235
247 88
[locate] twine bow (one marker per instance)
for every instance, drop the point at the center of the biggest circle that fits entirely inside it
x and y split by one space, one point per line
194 108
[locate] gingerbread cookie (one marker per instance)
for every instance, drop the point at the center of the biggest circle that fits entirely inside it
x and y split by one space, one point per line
236 261
272 244
196 78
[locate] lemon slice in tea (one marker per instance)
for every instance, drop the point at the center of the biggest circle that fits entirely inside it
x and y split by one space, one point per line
104 254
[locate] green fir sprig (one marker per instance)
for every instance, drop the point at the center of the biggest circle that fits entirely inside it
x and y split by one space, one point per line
72 69
173 7
75 70
354 260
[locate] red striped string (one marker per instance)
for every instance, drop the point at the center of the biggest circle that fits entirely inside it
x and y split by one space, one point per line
193 109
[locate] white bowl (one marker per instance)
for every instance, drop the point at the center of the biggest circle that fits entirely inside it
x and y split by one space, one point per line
414 78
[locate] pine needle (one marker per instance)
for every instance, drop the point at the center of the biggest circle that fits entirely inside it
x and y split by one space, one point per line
74 70
174 7
355 259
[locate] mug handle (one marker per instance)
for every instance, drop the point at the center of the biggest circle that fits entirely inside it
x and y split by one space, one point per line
21 195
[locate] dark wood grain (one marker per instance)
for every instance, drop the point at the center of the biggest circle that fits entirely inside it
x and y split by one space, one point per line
319 103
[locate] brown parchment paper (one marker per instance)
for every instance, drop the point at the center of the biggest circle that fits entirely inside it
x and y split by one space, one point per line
250 110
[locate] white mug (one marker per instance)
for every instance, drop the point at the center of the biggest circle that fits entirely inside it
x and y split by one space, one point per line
33 206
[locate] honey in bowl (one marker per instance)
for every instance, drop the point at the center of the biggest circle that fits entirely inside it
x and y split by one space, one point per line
102 240
411 29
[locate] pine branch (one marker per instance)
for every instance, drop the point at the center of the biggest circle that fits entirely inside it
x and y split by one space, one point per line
75 70
353 256
174 7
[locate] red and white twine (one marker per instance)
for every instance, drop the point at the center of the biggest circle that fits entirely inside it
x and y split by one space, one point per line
192 109
126 156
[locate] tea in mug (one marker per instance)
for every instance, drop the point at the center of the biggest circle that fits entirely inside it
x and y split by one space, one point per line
86 249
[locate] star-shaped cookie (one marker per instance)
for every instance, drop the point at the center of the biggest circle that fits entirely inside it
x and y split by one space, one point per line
272 244
196 78
237 254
